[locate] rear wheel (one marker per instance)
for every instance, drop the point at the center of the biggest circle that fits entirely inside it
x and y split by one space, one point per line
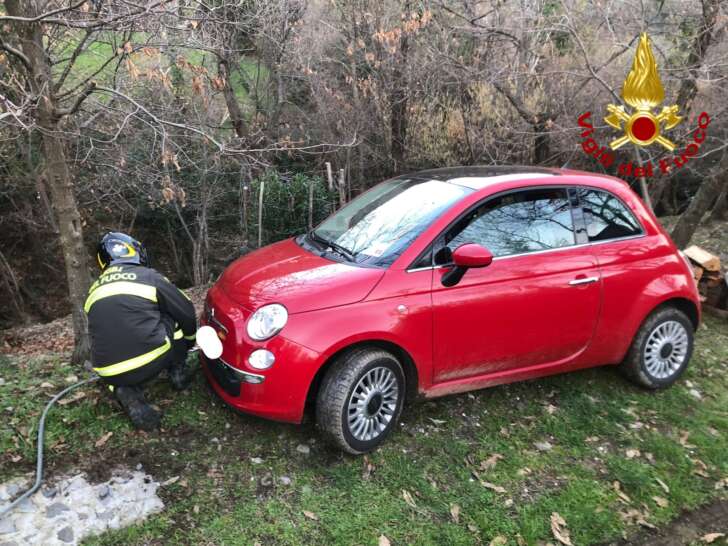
661 350
361 399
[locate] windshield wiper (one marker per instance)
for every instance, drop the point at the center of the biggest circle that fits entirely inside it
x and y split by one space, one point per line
342 251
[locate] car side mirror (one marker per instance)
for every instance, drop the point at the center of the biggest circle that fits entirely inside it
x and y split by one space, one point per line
464 257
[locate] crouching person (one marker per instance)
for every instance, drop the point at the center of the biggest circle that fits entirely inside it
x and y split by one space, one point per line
140 324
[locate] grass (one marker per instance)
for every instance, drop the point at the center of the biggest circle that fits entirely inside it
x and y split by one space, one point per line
665 451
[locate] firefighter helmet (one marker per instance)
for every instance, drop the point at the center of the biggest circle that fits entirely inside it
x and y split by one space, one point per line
120 248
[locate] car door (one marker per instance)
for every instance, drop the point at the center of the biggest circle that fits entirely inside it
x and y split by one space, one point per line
629 259
537 303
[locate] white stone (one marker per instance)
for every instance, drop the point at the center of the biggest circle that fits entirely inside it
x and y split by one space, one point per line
82 509
303 448
7 526
56 509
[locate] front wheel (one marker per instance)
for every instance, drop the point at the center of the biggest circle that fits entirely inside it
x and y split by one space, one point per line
360 399
661 349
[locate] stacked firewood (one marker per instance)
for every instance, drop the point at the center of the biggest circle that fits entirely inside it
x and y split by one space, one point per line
711 278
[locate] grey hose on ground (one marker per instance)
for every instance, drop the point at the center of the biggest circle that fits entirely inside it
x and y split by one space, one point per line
41 435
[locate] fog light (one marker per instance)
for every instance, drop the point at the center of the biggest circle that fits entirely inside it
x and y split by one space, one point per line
261 359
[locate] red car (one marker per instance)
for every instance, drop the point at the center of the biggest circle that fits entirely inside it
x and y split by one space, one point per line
446 281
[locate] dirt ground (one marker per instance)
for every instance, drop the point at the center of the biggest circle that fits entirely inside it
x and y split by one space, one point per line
689 528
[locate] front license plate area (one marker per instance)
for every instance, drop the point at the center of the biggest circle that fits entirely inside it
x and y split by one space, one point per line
224 377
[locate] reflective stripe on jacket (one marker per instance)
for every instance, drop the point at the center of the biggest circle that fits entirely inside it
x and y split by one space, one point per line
134 313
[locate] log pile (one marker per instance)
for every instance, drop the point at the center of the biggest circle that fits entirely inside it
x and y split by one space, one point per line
712 279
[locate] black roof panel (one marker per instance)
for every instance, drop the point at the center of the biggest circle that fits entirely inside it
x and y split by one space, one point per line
480 171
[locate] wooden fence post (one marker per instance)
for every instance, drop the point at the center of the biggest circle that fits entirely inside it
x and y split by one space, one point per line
342 188
260 212
310 203
330 176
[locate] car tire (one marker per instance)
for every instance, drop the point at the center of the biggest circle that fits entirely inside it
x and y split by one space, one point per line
361 399
661 350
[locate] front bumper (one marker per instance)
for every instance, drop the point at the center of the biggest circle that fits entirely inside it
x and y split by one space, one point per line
278 393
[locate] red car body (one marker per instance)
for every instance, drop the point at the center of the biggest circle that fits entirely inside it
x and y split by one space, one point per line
521 317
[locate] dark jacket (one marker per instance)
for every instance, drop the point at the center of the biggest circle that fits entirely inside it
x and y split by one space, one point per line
134 313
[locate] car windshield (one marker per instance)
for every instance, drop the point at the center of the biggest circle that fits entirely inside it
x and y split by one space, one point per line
376 227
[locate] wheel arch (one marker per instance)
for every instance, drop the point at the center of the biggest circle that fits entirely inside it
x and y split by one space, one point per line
683 304
411 374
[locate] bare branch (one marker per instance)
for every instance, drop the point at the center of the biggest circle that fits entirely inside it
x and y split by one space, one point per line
15 53
42 16
79 100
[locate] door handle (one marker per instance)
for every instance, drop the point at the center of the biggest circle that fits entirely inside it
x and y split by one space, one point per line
583 280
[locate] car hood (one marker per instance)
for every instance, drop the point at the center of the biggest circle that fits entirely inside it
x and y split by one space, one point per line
302 281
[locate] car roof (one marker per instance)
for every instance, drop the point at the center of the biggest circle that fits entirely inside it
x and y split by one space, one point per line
481 177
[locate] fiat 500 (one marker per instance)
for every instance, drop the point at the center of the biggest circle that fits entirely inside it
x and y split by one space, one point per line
446 281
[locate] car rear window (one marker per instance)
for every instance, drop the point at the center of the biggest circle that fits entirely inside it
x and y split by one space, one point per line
606 216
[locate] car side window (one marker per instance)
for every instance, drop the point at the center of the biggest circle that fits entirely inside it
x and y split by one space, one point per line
606 217
515 223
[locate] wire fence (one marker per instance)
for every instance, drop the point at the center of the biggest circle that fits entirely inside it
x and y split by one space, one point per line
275 207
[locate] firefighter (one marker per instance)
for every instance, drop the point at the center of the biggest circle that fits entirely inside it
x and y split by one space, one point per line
140 324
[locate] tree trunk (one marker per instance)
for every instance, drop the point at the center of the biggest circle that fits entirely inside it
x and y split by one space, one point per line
541 144
13 288
720 209
231 101
690 219
68 219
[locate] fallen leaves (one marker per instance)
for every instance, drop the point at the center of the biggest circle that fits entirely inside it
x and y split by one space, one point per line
635 516
493 487
560 530
661 501
407 496
310 515
701 468
455 513
621 494
491 461
632 453
170 481
499 540
711 537
105 438
384 541
74 398
684 435
664 486
367 469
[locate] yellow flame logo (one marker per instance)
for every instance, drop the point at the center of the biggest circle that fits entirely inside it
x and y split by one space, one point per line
643 90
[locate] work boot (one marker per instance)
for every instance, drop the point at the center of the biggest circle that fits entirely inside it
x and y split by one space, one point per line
181 374
142 415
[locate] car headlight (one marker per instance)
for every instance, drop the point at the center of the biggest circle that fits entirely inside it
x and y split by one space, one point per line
267 321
